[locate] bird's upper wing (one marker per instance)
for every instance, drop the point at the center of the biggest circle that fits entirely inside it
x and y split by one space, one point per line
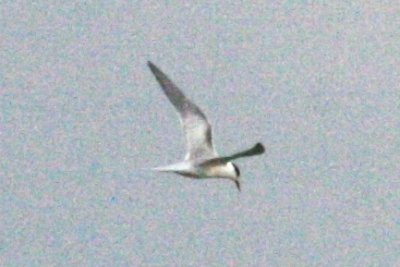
195 125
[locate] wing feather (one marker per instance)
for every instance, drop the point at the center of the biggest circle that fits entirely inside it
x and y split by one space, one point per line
195 125
257 149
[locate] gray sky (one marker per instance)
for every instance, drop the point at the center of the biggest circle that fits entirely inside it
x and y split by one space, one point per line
81 114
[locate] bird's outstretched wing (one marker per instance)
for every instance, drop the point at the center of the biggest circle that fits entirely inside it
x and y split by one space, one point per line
195 125
257 149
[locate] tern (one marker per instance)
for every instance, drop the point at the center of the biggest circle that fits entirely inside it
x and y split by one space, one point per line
201 160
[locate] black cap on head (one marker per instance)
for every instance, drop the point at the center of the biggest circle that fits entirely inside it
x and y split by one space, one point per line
237 171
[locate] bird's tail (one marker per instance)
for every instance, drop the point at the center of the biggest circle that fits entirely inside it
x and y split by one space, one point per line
160 169
171 168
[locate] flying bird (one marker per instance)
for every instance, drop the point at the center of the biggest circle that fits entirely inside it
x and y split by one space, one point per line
201 160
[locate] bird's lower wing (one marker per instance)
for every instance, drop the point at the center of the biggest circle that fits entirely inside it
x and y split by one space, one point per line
257 149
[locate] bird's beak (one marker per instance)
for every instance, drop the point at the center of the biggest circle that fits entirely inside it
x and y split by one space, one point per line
237 184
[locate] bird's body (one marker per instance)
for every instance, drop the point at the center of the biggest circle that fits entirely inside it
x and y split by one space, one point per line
197 169
201 160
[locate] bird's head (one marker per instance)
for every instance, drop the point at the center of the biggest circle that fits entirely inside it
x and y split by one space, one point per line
237 171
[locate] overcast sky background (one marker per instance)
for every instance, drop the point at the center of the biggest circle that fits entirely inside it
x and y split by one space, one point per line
81 114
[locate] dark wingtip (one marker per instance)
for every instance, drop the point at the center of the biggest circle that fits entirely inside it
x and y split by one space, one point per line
151 65
259 148
155 70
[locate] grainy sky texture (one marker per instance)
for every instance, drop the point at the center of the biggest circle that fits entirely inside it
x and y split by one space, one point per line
80 116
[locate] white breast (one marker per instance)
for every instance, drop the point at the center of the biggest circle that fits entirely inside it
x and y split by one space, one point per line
223 170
